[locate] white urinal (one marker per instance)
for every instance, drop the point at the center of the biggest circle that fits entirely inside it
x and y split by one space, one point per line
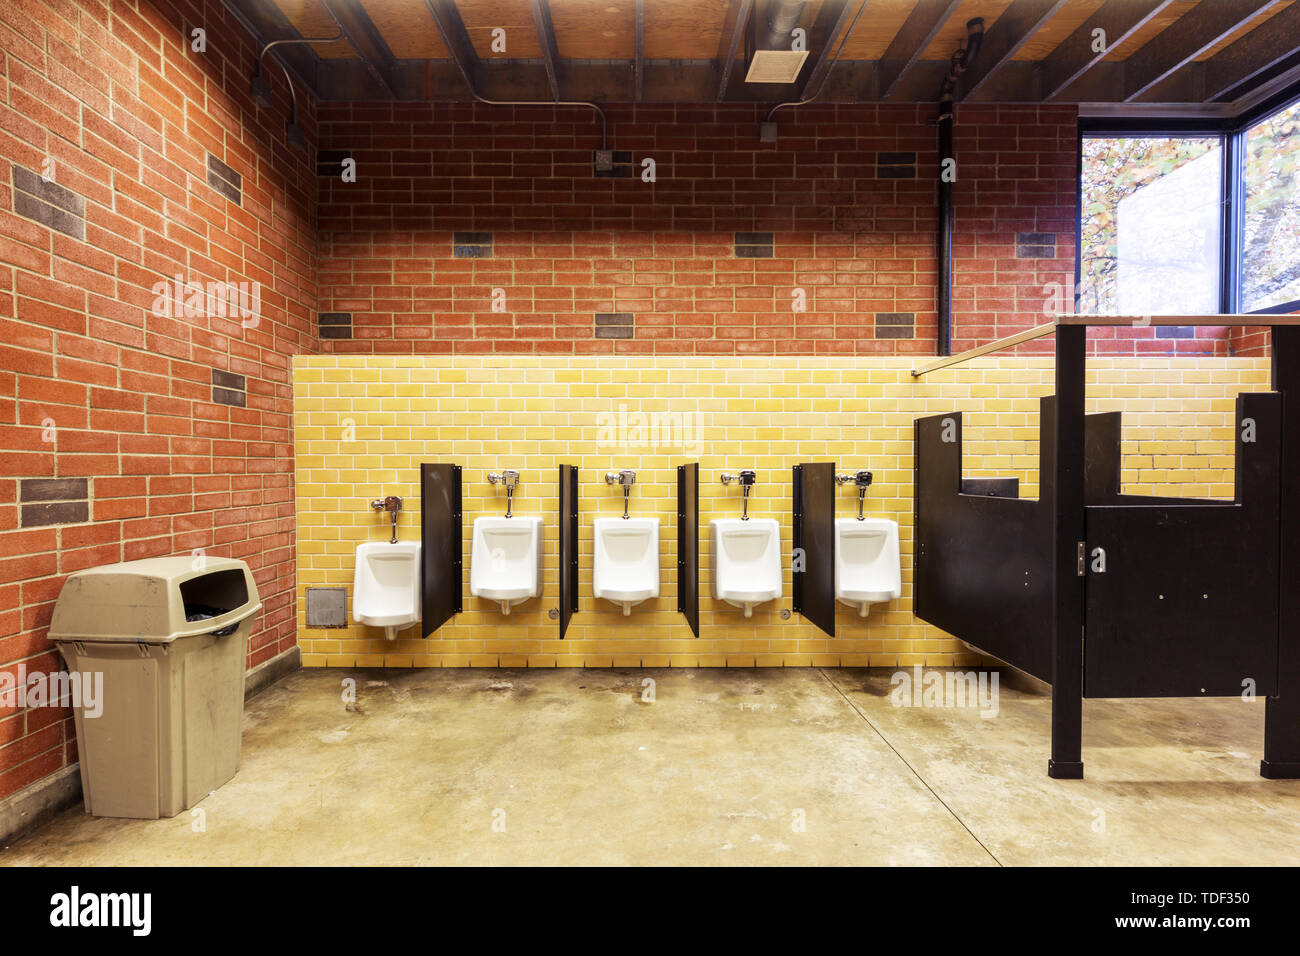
386 586
625 568
746 561
505 562
867 569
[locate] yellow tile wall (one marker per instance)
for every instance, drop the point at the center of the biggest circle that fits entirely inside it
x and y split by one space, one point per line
363 425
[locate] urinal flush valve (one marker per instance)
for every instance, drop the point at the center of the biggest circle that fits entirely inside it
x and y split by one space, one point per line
392 504
746 479
862 480
626 478
508 477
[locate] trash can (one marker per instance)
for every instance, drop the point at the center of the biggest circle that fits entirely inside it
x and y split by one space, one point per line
164 640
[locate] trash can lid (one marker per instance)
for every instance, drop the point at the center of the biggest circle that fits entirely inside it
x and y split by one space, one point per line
147 600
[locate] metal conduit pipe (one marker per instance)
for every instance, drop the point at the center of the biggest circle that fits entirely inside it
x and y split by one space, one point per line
469 82
961 61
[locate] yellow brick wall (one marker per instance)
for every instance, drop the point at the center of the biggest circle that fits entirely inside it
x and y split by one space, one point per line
363 425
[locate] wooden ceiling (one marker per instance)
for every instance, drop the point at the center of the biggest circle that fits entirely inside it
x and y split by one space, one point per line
1179 52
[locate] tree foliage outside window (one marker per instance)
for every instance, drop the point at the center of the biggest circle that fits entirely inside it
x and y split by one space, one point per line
1113 169
1270 262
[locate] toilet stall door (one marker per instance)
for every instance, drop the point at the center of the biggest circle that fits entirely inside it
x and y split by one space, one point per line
814 544
440 545
568 545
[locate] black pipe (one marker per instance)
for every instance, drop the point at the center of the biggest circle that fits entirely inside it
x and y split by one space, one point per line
961 61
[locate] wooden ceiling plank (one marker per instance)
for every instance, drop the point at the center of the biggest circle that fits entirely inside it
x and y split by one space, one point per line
836 14
738 12
1007 35
365 38
1254 53
1190 35
1118 19
917 33
546 39
456 38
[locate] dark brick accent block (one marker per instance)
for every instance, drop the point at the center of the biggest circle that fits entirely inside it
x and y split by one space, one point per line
48 203
615 325
225 180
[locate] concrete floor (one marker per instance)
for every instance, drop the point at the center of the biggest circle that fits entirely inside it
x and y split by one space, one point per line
573 767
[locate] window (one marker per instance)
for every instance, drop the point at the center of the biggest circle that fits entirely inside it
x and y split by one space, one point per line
1270 250
1191 218
1150 234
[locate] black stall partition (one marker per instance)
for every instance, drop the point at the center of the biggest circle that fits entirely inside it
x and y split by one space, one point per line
440 545
1103 594
813 565
688 544
568 545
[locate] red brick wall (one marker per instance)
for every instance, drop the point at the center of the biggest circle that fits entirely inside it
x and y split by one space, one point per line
568 245
128 114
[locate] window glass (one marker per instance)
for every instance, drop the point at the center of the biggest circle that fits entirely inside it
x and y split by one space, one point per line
1270 248
1151 226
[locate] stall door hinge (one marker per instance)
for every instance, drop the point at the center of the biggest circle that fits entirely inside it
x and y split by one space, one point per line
1083 546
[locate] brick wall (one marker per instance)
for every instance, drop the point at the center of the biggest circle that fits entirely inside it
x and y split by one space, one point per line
855 235
127 433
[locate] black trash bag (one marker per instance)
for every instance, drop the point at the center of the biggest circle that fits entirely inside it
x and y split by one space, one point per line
205 612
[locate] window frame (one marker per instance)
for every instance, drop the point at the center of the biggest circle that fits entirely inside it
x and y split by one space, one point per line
1232 137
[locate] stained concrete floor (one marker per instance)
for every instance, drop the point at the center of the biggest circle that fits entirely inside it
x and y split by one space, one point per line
731 767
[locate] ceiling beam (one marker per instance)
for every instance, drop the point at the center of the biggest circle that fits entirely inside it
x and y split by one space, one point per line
733 32
913 38
1267 44
1118 20
546 39
265 23
1185 39
832 20
456 38
1005 38
365 38
638 65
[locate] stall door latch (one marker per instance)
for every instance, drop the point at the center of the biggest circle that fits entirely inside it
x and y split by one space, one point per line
1083 545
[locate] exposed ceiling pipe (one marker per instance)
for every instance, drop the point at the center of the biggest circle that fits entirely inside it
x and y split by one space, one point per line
782 18
473 91
767 129
260 87
961 61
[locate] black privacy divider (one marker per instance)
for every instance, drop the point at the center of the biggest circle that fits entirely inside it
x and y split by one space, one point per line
688 544
568 545
440 548
814 543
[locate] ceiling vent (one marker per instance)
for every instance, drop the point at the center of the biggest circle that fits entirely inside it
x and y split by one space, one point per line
776 54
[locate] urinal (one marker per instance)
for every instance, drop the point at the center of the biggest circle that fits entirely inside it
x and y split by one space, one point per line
626 563
386 585
746 561
506 560
867 569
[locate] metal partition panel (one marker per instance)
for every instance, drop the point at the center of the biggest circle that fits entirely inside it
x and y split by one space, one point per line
568 545
983 564
814 543
688 544
1186 604
440 545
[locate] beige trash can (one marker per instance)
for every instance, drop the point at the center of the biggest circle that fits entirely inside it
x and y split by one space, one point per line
169 637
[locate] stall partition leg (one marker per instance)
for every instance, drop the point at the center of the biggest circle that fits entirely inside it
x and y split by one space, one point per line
1067 538
1282 713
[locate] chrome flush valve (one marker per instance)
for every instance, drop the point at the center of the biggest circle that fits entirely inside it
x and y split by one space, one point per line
746 478
392 504
862 480
626 478
508 477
